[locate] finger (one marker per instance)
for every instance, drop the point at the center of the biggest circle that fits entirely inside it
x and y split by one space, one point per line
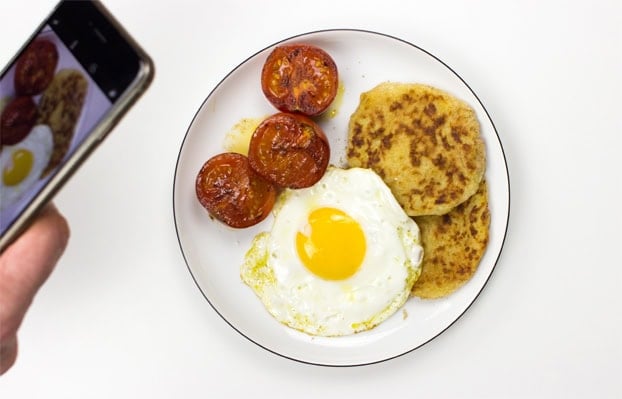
28 262
24 267
8 353
31 258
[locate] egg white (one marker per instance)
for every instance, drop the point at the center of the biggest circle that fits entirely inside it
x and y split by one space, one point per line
40 143
299 299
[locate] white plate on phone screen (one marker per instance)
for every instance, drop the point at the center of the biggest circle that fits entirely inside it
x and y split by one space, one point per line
214 252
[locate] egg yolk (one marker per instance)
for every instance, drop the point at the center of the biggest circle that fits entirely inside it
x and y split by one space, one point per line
332 245
15 173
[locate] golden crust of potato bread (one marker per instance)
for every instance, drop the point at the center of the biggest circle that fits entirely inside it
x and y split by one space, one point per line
423 142
453 245
60 108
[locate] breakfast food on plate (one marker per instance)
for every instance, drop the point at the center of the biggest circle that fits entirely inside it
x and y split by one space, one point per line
424 143
348 247
300 78
340 258
21 164
17 119
239 136
35 67
453 245
232 192
60 108
286 150
289 150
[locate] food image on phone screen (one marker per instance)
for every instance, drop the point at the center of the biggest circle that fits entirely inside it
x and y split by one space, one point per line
68 86
48 102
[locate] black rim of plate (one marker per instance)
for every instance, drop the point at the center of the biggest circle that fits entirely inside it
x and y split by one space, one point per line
373 33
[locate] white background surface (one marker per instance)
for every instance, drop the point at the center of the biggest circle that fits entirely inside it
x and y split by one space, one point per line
121 317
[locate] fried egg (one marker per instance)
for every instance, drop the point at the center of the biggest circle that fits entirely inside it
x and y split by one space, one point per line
21 164
340 258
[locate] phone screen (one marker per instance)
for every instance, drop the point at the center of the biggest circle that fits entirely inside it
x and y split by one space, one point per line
61 85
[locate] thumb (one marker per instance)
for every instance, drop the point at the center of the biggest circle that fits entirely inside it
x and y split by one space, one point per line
24 266
28 262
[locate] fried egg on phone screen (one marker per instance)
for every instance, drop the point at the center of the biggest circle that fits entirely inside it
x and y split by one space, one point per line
341 256
22 163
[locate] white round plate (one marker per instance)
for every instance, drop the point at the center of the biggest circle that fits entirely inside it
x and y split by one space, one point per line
213 252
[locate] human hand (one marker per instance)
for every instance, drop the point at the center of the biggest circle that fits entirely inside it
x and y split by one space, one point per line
24 266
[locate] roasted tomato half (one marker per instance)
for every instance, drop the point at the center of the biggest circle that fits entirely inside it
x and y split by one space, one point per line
17 119
35 68
289 150
233 192
300 78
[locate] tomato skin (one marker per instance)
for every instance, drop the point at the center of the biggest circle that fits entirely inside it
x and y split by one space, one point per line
290 150
35 68
300 78
17 119
232 192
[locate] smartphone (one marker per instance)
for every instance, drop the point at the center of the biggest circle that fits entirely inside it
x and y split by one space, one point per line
60 95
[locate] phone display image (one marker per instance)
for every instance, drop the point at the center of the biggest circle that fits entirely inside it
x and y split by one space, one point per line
48 104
